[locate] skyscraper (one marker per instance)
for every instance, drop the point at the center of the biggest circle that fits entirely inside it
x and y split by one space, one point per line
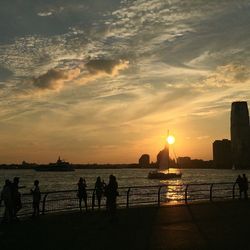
240 135
222 154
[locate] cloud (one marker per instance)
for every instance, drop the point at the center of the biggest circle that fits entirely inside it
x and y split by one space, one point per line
228 75
109 67
5 73
55 79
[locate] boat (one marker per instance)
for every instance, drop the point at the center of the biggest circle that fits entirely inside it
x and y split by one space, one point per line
163 176
163 172
59 166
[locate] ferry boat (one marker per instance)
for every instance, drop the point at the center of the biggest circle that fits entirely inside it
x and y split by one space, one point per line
59 166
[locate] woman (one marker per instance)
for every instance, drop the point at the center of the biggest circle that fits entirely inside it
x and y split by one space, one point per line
111 192
99 186
82 194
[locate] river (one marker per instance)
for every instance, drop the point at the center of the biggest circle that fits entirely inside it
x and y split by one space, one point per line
53 181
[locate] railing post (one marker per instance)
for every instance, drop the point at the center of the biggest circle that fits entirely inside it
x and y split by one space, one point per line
186 194
44 203
159 196
211 192
128 197
234 190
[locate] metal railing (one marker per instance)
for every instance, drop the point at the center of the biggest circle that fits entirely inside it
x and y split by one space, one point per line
56 201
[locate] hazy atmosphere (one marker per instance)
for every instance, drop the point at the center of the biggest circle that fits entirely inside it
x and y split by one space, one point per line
102 81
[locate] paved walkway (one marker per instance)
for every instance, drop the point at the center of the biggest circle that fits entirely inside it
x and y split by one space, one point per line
221 225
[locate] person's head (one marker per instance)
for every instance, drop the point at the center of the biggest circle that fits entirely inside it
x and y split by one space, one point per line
16 180
81 180
111 178
98 179
7 182
244 175
36 183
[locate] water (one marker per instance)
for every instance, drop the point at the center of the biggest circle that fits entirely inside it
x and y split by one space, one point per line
54 181
174 192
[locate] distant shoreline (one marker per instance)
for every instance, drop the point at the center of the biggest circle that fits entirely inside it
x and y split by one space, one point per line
102 166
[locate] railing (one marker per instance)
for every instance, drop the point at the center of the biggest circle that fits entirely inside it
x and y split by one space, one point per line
134 196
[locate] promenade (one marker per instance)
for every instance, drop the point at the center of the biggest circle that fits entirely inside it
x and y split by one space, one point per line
220 225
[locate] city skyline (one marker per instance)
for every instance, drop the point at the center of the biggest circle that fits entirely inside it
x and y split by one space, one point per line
102 81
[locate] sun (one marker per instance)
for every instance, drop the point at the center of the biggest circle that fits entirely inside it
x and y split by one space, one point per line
170 139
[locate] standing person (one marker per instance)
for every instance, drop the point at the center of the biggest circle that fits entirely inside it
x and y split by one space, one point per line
245 186
36 198
99 188
82 193
16 196
111 194
239 181
7 199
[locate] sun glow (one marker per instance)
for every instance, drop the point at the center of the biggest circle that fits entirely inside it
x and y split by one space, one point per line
170 139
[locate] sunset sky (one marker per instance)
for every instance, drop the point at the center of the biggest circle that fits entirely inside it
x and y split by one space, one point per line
103 80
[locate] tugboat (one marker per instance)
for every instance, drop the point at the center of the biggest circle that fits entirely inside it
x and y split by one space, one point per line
59 166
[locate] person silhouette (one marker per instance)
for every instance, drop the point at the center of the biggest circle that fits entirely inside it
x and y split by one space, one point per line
16 197
245 186
99 188
111 193
82 193
36 198
7 199
239 181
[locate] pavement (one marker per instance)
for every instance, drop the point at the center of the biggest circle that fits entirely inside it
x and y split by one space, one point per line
218 225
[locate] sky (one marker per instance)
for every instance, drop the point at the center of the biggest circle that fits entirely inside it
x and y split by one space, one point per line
102 81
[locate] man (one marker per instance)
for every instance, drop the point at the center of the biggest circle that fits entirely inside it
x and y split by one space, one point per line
239 181
7 199
245 186
16 196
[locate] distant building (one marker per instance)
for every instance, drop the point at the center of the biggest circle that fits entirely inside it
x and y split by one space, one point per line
144 161
184 162
187 162
240 135
222 154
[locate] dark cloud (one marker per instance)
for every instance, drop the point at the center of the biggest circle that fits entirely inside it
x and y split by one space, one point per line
54 79
106 66
110 67
5 74
49 80
27 17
